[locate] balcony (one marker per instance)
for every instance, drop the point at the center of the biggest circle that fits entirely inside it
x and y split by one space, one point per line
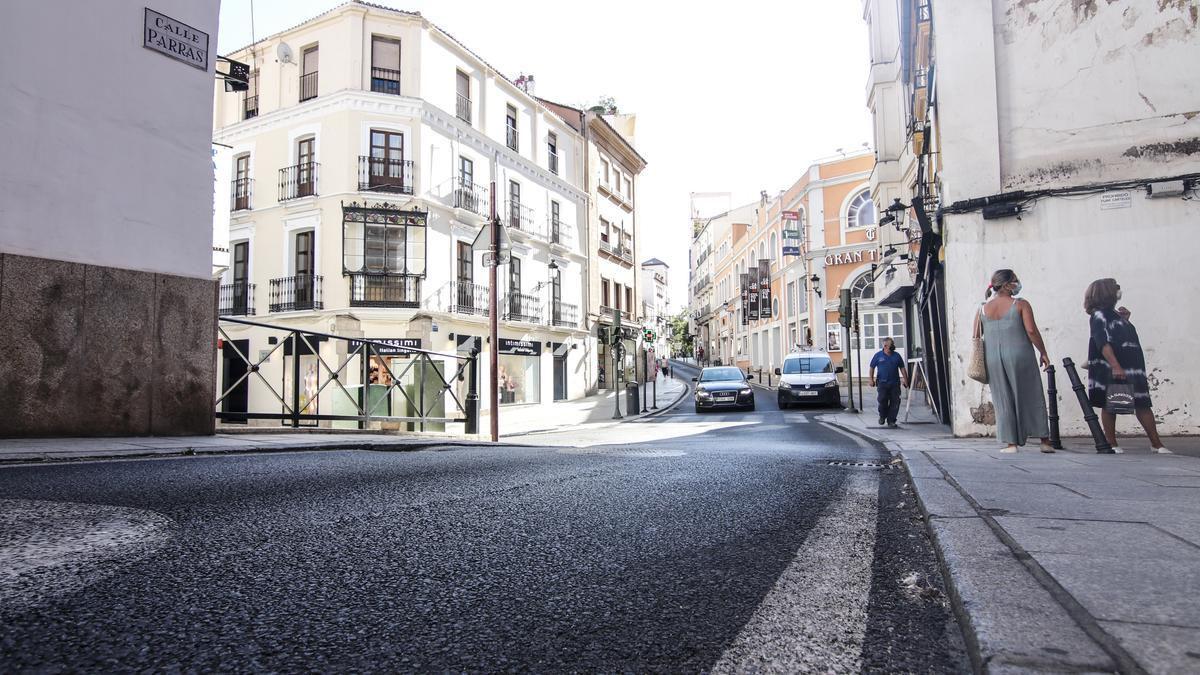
522 307
296 293
511 139
612 311
564 314
308 86
298 181
236 299
384 290
250 107
379 174
240 192
617 251
471 198
385 81
468 298
519 217
462 108
560 234
553 163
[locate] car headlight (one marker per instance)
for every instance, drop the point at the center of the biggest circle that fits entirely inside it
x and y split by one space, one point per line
784 385
831 383
700 393
747 390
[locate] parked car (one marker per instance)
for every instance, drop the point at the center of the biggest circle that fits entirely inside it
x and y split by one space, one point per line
723 387
808 377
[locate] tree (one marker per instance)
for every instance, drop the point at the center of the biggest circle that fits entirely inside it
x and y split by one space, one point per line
681 340
605 105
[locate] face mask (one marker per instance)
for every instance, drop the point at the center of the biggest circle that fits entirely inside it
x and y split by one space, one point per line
1016 290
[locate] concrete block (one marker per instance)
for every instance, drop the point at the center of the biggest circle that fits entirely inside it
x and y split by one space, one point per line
185 357
1159 649
1121 589
1121 543
1013 619
940 499
42 362
119 327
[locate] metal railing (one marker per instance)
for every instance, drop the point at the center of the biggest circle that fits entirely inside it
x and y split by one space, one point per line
296 293
250 107
308 86
381 174
522 307
236 299
616 250
510 138
564 314
462 108
369 381
240 191
559 233
385 80
298 181
468 298
384 290
605 309
519 216
470 197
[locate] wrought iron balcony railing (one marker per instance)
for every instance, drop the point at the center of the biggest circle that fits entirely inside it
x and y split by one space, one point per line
518 216
298 181
468 298
308 86
385 80
462 108
564 314
605 309
616 250
522 307
296 293
241 191
380 174
250 107
470 197
384 290
559 233
236 299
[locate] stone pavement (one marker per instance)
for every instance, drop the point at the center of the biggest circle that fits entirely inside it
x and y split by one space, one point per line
1071 561
513 421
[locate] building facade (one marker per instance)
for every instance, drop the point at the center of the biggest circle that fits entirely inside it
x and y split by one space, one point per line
656 304
1060 142
106 294
363 160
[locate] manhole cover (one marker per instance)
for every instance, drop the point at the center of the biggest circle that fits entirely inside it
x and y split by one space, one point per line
855 465
623 452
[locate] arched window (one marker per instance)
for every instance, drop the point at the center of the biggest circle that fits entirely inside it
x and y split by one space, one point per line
863 287
862 211
774 247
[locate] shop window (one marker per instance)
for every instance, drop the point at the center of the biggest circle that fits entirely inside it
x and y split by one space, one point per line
520 379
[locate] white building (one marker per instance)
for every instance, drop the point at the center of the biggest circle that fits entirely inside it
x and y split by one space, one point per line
1075 125
363 156
106 298
656 302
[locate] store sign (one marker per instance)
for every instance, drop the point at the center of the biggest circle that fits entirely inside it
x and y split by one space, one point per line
175 39
791 250
850 257
752 277
520 347
764 289
389 346
791 215
791 234
745 287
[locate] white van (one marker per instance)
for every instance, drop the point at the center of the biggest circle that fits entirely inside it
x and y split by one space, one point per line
808 377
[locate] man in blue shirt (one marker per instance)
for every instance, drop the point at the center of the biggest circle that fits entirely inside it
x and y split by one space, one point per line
892 375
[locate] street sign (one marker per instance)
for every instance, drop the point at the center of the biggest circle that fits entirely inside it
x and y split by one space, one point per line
791 234
489 259
791 250
483 240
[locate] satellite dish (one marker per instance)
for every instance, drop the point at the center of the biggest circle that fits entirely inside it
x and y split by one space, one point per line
284 52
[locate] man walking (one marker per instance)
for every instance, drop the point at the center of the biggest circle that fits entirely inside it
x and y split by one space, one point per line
892 375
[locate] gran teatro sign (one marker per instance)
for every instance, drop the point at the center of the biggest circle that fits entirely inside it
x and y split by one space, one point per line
851 257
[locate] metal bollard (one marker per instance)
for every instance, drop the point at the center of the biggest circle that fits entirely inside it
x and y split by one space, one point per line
1089 415
1052 391
472 404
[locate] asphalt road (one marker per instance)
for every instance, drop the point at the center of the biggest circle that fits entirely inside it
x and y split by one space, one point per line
719 542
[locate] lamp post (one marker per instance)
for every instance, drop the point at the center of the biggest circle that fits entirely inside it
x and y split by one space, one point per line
894 214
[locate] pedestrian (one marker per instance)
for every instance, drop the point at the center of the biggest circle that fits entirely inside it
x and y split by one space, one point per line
1010 335
1115 356
892 375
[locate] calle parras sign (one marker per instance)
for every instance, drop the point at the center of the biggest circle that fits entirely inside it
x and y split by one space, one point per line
176 39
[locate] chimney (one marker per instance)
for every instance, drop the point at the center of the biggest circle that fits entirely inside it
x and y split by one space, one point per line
525 83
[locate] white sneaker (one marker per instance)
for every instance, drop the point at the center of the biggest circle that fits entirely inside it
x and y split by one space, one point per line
1009 450
1117 450
1161 451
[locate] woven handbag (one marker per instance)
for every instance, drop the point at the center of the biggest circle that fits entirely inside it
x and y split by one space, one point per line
977 366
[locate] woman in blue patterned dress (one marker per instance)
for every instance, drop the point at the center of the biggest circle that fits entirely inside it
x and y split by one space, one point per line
1115 355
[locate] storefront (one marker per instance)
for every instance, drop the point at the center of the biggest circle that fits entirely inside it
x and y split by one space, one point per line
605 353
520 371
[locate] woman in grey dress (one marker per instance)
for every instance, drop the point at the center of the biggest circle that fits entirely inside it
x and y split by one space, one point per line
1010 335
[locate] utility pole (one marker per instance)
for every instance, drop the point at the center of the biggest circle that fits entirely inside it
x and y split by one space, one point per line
615 347
493 311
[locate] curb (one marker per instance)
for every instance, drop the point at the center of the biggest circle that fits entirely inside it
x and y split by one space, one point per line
678 399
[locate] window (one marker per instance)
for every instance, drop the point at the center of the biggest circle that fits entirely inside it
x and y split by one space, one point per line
774 247
514 276
862 211
383 241
385 166
863 287
879 325
308 73
303 268
241 278
604 293
385 65
241 182
514 204
791 299
552 152
463 105
465 293
604 169
510 124
306 170
616 182
604 231
466 172
628 299
628 189
555 224
250 102
616 291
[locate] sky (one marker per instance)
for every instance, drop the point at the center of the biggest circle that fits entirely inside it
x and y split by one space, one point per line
730 97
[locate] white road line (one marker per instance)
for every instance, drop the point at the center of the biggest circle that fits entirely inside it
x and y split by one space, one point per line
815 617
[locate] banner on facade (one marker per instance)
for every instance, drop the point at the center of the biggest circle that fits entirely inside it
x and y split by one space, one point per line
764 289
753 279
791 234
745 288
389 346
791 215
791 250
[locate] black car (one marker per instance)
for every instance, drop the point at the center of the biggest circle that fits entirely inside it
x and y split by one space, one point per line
723 387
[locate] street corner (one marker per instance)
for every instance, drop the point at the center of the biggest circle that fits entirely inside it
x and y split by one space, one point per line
50 548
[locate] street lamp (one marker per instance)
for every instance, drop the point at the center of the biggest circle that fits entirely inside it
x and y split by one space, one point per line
816 280
895 214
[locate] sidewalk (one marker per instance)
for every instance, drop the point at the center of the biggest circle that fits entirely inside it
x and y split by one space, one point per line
1071 561
513 421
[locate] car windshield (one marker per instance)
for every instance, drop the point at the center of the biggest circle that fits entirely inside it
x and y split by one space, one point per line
720 374
807 364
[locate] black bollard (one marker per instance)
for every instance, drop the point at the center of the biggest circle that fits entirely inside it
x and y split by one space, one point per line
1052 391
1089 415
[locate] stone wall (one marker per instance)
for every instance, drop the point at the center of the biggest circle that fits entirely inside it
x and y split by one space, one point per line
100 351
